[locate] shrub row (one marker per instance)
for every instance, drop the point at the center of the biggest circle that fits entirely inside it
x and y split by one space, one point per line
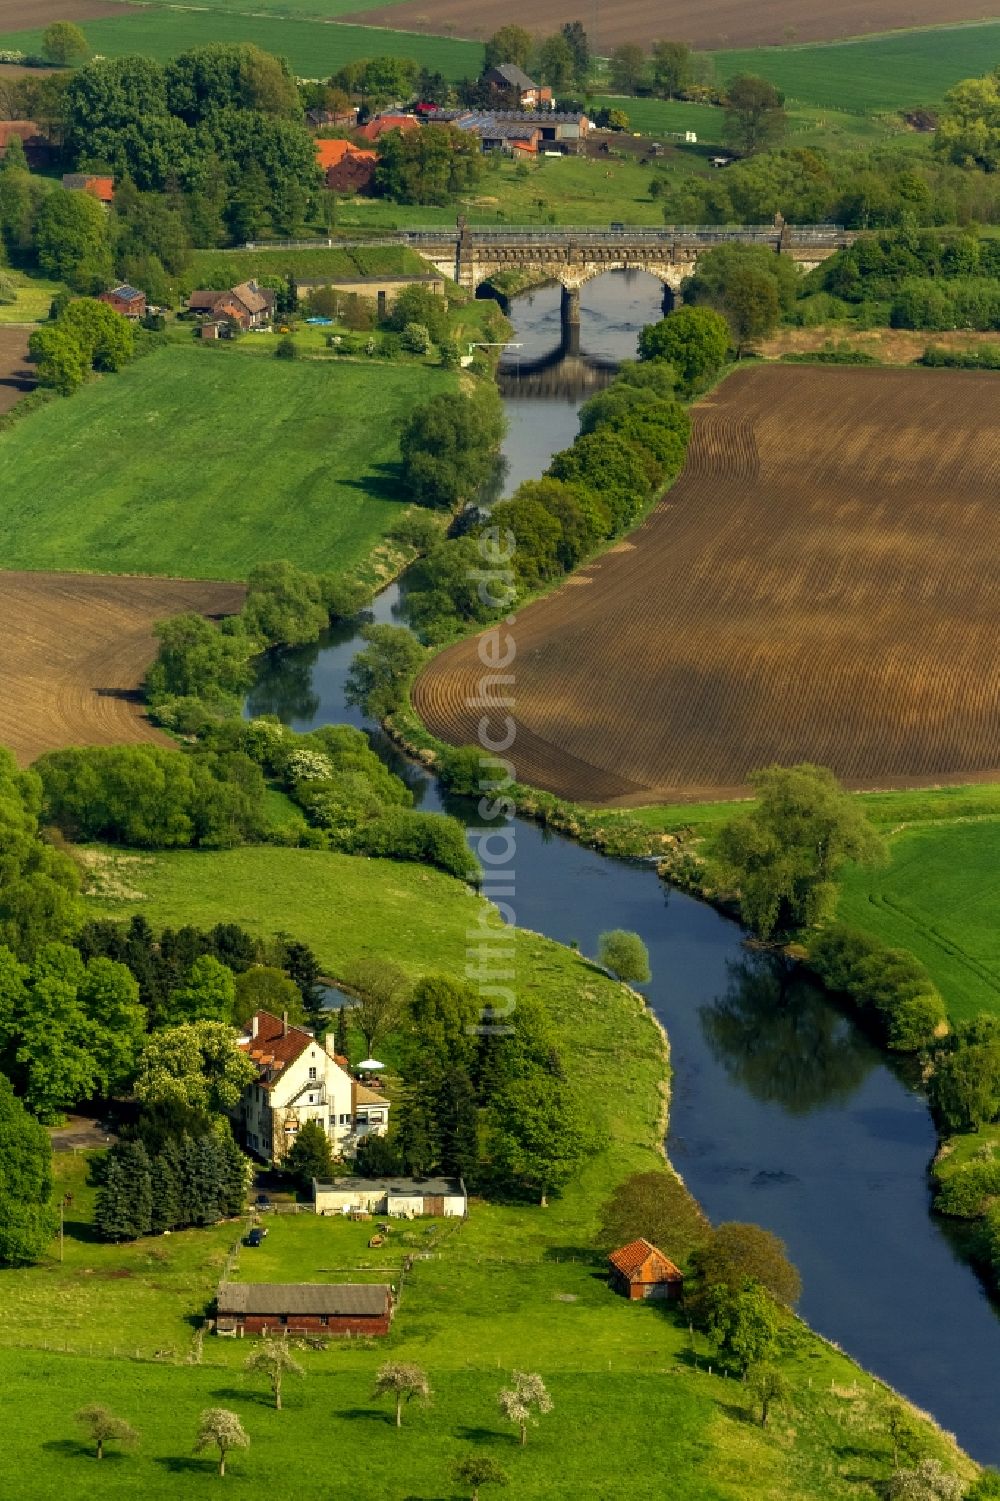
986 357
890 986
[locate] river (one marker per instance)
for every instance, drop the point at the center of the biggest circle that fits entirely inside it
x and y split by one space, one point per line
783 1112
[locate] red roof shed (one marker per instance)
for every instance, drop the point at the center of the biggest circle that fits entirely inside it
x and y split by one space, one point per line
640 1270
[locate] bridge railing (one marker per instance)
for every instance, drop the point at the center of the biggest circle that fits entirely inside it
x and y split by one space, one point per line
593 234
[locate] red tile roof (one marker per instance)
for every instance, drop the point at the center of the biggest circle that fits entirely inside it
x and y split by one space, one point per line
275 1046
332 153
630 1260
383 123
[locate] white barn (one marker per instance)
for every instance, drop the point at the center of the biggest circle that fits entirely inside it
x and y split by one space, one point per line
400 1198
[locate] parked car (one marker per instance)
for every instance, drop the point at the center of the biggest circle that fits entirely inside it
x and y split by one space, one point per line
256 1236
262 1204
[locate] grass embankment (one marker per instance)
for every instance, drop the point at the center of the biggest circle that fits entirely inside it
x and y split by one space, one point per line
196 464
512 1286
313 48
225 268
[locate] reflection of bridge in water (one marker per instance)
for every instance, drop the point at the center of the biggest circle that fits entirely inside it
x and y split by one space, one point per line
562 371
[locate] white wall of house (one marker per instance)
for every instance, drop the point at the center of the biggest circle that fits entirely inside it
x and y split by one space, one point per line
312 1087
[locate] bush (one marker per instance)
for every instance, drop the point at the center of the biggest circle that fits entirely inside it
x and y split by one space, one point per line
448 447
891 985
625 955
286 349
415 339
693 340
969 1191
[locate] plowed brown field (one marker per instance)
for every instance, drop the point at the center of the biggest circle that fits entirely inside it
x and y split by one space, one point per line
20 15
74 649
822 583
16 375
708 24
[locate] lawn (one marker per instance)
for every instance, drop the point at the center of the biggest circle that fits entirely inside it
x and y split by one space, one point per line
808 125
33 298
511 1287
194 462
314 49
898 70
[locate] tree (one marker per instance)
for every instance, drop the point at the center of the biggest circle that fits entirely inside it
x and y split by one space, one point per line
197 1064
477 1470
783 856
72 240
124 1205
103 1427
737 1253
382 989
654 1206
432 165
579 45
403 1382
448 446
556 63
218 1428
511 44
525 1401
743 1324
627 68
380 674
755 115
968 127
310 1155
693 340
671 67
209 993
769 1388
750 306
275 1361
27 1218
14 159
964 1088
265 988
625 955
928 1480
64 45
60 361
535 1136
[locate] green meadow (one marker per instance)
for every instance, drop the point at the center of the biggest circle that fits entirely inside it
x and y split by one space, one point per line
194 462
898 70
314 49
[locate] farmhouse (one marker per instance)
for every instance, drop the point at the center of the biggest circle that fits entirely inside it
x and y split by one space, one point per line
128 301
36 147
246 306
101 188
640 1270
508 78
382 124
303 1308
404 1197
300 1079
346 167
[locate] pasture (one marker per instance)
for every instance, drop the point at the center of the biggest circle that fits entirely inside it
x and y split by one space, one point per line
314 49
709 25
74 650
196 463
818 585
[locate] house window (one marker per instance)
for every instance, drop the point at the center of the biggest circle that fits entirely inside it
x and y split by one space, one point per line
312 1073
312 1099
345 1120
284 1318
324 1319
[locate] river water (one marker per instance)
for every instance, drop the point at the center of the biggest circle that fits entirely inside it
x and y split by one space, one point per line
782 1112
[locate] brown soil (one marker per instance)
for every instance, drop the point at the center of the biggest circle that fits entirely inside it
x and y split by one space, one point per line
702 23
29 15
16 375
74 649
820 584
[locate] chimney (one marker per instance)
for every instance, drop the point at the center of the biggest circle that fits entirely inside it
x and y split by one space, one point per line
254 1025
284 1024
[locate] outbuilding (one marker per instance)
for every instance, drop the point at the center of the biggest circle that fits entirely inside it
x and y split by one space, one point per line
303 1308
404 1198
640 1270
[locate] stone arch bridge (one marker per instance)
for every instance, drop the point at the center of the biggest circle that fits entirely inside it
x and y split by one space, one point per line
572 256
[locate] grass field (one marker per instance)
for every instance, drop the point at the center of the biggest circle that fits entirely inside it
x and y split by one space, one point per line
224 268
897 71
511 1286
32 300
197 463
313 49
808 125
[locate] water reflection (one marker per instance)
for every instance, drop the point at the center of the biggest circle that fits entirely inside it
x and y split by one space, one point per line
781 1039
284 685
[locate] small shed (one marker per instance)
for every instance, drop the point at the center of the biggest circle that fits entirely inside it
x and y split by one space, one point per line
304 1308
640 1270
404 1198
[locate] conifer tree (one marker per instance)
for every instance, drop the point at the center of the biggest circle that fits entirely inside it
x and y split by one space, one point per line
123 1210
167 1206
209 1181
459 1124
310 1156
236 1174
340 1036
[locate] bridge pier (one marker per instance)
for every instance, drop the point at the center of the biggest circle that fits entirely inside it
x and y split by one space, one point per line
570 309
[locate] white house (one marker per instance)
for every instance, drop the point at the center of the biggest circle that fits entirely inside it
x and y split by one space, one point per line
403 1198
300 1079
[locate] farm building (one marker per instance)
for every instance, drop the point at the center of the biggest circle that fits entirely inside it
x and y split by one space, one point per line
524 130
382 290
406 1198
382 124
303 1308
300 1079
128 301
247 306
640 1270
36 147
345 167
508 78
101 188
